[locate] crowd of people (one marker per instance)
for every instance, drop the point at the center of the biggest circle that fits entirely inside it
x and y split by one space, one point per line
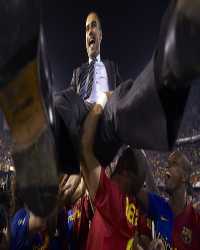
103 210
141 200
81 211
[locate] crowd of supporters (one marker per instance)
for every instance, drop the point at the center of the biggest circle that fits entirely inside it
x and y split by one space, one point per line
69 225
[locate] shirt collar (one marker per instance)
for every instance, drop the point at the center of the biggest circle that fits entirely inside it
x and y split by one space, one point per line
98 59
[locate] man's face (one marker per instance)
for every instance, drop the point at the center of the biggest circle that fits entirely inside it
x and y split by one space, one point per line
93 35
174 177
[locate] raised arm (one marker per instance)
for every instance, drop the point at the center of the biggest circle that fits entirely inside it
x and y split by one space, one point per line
90 166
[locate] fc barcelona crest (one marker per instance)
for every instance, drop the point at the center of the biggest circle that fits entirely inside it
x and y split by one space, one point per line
186 235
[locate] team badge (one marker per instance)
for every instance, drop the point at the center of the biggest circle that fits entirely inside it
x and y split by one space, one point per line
186 235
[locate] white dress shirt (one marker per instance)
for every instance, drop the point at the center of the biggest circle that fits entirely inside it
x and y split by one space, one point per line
100 83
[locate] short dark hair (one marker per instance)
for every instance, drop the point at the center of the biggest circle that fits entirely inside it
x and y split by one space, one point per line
132 159
180 160
99 19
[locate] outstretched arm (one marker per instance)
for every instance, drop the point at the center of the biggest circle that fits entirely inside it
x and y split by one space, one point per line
90 166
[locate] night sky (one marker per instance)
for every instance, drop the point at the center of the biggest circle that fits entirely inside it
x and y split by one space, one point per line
130 31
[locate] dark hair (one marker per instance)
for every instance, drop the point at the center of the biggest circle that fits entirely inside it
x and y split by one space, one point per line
132 159
99 19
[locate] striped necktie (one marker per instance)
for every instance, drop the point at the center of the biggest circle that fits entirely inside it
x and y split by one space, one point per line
87 81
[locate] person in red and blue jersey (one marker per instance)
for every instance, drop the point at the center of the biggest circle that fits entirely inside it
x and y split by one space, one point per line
177 223
29 231
115 221
74 219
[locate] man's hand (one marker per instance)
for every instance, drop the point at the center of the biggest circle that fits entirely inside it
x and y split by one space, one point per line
79 192
109 94
157 244
64 191
136 245
67 187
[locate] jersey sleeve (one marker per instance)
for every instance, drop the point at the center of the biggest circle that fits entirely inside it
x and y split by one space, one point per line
109 199
19 229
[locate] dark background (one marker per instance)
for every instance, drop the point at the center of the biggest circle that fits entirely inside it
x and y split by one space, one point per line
130 30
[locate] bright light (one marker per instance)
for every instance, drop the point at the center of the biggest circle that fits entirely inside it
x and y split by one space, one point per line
50 115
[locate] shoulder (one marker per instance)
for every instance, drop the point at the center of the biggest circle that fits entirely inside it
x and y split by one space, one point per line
106 187
20 217
79 68
194 210
111 65
196 206
156 198
19 229
157 202
109 62
19 221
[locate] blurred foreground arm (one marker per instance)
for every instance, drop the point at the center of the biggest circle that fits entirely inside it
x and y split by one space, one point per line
91 168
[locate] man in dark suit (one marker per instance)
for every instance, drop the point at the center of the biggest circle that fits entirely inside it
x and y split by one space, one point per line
145 113
105 72
89 80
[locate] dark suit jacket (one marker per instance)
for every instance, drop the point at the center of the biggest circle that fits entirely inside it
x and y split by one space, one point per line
67 105
114 78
